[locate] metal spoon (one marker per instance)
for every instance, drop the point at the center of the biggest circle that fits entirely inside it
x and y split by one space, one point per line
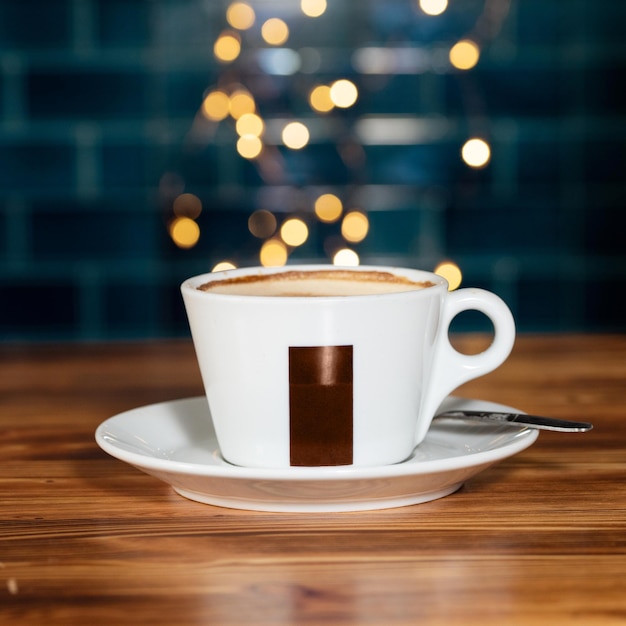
532 421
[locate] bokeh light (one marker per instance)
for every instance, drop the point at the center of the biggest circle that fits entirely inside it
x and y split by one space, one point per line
275 31
250 124
375 60
355 226
223 265
262 224
227 47
343 93
273 253
313 8
328 208
240 15
476 153
451 272
295 135
320 99
433 7
279 61
249 146
347 257
184 232
464 55
240 103
215 106
187 205
294 232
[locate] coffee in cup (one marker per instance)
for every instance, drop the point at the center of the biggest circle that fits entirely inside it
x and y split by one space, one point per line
315 283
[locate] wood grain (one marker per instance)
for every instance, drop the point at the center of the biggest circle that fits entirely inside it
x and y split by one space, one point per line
85 539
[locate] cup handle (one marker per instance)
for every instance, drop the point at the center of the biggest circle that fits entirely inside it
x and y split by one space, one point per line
452 368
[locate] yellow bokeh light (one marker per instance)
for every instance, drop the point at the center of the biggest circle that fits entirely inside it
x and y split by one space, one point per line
343 93
250 124
240 15
227 47
320 99
273 253
294 232
215 106
313 8
249 146
295 135
184 232
355 226
464 54
262 224
433 7
275 31
347 257
223 265
241 102
476 153
187 205
328 208
451 272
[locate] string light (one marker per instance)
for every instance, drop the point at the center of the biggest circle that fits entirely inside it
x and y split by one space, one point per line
464 55
240 15
249 146
240 103
346 257
227 47
262 224
355 226
320 99
187 205
328 208
476 153
295 135
273 253
294 232
451 272
275 31
184 232
313 8
223 265
433 7
343 93
250 124
215 106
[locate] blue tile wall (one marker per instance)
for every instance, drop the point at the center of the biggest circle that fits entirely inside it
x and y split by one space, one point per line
28 164
124 23
66 93
100 129
35 24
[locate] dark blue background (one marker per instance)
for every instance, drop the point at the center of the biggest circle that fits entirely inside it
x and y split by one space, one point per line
97 104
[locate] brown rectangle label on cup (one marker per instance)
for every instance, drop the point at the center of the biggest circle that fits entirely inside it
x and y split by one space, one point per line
320 405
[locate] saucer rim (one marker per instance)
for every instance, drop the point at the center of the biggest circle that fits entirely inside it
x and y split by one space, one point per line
525 438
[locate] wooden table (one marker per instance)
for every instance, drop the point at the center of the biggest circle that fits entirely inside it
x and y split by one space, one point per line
86 539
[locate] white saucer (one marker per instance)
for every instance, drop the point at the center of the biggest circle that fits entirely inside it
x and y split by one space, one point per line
175 442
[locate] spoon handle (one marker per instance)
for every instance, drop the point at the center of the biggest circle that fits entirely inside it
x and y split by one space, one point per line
532 421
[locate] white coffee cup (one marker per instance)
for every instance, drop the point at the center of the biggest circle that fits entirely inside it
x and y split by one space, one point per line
320 380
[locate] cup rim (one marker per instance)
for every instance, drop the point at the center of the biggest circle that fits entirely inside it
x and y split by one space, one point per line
190 285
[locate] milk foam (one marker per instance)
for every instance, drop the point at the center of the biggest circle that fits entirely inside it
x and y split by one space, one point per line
318 283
